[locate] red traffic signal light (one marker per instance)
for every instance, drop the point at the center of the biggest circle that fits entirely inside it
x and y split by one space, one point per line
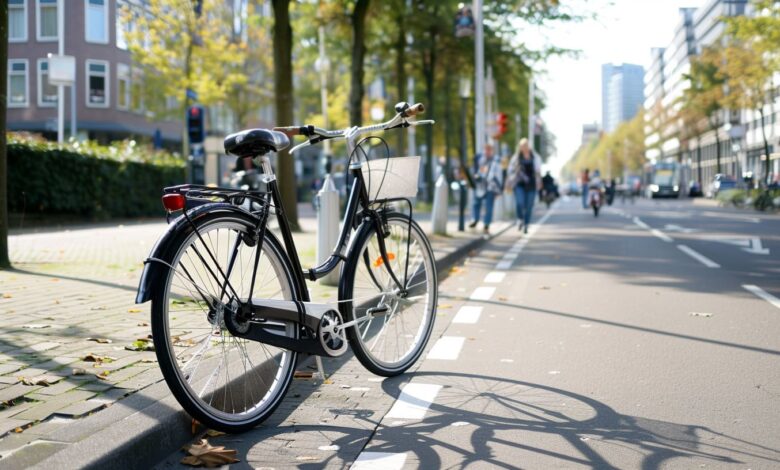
501 124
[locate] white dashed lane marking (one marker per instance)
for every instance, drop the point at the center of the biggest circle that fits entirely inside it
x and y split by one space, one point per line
467 314
379 461
414 401
495 277
447 348
661 235
482 293
698 257
759 292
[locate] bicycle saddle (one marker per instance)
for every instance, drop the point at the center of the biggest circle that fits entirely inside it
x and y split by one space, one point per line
254 142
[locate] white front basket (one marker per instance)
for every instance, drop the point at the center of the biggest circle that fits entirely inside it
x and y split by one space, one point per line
388 178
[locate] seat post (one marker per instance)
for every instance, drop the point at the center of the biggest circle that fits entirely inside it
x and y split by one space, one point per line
266 169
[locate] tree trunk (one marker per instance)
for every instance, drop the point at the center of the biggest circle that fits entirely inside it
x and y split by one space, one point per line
356 90
4 261
766 148
447 124
698 160
429 69
717 148
400 72
283 90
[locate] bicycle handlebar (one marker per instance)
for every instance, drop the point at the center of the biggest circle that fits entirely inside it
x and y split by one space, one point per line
317 134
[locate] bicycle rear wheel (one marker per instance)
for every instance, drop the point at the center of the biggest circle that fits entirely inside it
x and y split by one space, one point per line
396 326
227 383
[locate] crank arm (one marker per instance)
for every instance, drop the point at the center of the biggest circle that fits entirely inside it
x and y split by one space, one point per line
372 312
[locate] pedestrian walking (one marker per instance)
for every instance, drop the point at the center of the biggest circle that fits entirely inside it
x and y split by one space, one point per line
584 180
487 183
524 179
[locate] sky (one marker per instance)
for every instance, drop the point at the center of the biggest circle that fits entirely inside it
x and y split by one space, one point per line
624 31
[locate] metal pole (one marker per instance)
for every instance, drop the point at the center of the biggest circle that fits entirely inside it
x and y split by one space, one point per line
463 168
61 88
324 87
479 83
73 109
531 111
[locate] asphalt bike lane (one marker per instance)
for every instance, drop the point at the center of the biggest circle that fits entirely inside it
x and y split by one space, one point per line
595 344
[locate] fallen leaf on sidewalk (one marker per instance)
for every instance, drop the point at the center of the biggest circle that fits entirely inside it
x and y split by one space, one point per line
444 306
545 288
79 371
213 433
100 340
302 374
456 270
143 323
44 380
7 296
134 310
35 326
98 308
98 359
140 345
502 298
204 454
103 375
700 314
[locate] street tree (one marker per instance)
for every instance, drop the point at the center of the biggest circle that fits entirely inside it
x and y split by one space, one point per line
4 259
751 60
706 91
283 96
691 121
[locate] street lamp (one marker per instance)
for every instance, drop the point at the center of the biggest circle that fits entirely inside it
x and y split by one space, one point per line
464 91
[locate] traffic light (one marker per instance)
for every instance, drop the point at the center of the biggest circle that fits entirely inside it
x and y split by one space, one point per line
195 124
501 124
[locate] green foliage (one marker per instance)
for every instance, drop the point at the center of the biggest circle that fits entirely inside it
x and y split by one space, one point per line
88 180
622 150
765 199
735 197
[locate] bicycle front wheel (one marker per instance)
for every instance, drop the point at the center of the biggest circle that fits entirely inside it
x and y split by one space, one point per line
225 382
394 324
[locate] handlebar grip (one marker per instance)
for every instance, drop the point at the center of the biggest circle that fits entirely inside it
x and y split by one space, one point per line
414 110
291 131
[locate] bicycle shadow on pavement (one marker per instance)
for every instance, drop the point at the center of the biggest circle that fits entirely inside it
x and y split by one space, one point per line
495 421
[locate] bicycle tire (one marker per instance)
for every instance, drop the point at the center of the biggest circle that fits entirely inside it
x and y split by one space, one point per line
272 376
363 272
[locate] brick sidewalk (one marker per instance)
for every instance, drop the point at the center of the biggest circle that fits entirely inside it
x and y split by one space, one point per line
69 301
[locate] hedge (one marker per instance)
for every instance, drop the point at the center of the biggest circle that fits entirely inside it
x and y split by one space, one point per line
87 180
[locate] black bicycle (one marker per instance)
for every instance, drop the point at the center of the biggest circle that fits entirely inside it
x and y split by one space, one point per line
230 307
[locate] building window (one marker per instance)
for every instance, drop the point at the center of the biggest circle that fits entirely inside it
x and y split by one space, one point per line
96 21
47 20
17 20
47 93
125 23
18 96
97 84
123 86
136 91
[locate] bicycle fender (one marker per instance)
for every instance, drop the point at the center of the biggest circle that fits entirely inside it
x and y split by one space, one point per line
156 266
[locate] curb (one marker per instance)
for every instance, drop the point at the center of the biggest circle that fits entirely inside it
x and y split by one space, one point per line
144 428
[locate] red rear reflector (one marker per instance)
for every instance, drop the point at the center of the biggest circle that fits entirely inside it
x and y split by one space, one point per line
173 202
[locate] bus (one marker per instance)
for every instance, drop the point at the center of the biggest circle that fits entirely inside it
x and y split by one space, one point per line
666 179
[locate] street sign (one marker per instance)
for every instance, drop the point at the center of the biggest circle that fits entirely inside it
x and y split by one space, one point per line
62 69
192 94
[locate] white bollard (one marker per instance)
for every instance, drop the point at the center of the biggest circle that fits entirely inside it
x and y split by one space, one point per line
328 226
509 206
440 208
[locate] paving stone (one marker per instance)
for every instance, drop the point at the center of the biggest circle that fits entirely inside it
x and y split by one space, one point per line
16 391
58 388
13 441
7 367
82 408
35 452
9 424
52 424
53 404
96 386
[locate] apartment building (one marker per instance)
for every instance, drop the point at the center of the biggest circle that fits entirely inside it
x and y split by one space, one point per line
739 131
107 89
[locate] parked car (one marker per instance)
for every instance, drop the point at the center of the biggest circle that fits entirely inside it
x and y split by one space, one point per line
720 183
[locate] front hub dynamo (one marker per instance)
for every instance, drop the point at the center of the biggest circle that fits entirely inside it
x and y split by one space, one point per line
331 335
